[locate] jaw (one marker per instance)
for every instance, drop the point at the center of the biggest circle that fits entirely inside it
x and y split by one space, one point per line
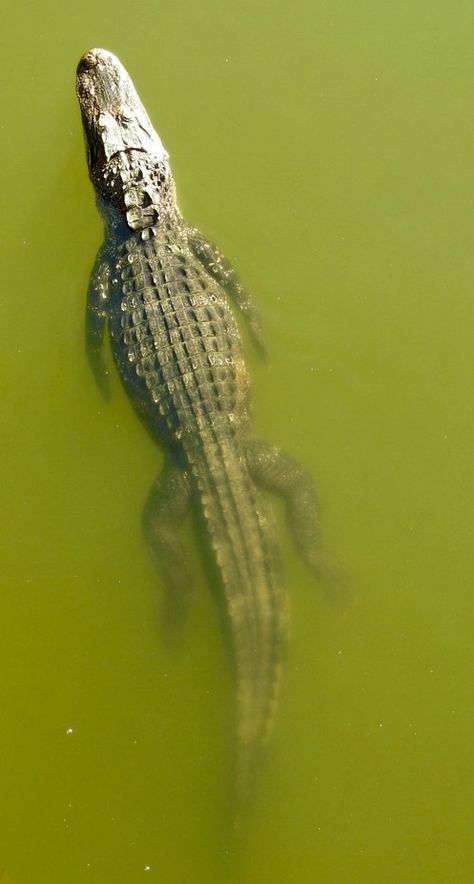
113 116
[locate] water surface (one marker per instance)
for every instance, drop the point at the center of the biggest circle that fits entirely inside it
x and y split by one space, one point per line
328 148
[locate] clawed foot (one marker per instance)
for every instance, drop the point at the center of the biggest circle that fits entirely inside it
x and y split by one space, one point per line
335 584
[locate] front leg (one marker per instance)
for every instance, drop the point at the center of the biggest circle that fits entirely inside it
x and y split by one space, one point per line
277 472
218 266
96 314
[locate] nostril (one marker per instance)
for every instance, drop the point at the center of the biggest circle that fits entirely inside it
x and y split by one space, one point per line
89 60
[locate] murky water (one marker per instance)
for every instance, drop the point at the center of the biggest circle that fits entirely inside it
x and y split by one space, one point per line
329 149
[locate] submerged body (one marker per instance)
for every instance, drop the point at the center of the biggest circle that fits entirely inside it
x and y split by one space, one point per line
164 291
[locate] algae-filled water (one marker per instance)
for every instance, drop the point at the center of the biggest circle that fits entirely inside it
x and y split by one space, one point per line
329 149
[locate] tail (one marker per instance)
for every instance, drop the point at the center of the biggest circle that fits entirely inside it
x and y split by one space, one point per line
242 542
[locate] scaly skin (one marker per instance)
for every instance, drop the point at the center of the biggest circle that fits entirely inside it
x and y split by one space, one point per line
164 290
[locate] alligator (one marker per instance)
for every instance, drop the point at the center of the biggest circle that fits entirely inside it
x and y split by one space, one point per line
165 292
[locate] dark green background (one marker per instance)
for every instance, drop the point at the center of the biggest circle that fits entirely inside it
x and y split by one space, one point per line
329 149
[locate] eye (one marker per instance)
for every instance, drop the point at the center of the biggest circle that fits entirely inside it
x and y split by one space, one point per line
105 121
124 118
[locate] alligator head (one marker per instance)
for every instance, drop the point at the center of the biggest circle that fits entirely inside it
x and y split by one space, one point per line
128 164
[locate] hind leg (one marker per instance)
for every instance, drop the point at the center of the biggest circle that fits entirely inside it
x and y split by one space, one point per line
165 510
275 471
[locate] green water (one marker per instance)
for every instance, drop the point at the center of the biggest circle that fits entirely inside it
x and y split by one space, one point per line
329 149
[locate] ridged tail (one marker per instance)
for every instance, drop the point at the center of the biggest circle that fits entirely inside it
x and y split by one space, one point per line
242 542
